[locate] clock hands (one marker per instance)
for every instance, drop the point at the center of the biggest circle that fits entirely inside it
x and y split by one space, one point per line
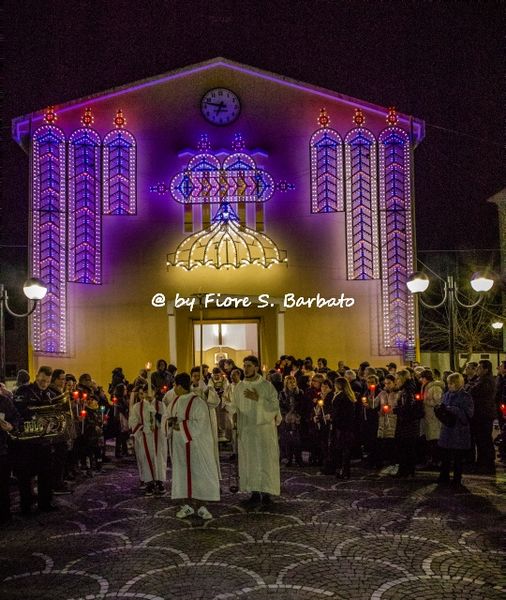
220 106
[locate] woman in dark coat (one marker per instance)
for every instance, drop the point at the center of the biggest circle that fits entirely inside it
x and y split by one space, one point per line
455 439
409 411
343 424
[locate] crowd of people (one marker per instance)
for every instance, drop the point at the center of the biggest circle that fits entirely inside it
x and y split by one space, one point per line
388 419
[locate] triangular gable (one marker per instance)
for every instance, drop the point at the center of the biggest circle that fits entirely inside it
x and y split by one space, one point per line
22 125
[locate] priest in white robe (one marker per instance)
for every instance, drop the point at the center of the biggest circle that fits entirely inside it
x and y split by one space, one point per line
255 401
195 470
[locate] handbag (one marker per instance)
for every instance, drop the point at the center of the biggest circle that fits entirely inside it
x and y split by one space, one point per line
445 416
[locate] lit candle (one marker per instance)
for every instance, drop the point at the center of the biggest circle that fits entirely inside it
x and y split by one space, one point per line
102 410
148 369
83 417
364 407
503 409
114 401
320 404
418 396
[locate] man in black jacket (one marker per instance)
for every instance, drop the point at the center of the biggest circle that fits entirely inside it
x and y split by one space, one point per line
34 457
484 414
9 421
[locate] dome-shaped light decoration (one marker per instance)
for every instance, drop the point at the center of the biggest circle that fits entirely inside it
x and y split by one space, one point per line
226 244
417 282
34 289
497 325
481 282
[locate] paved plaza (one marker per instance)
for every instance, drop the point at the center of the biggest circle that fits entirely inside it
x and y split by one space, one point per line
372 537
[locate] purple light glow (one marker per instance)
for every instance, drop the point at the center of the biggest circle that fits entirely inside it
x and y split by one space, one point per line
49 238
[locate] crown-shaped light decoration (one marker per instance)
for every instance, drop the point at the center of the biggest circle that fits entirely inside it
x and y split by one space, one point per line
323 119
392 117
119 120
358 117
238 143
203 145
50 116
226 244
87 119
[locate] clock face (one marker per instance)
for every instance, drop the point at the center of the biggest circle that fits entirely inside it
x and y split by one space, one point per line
220 106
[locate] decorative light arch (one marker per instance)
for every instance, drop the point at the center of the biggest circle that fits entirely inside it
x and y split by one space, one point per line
206 180
396 237
226 244
326 171
49 236
119 164
361 205
85 227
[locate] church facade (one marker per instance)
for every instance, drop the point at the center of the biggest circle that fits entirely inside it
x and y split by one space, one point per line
219 210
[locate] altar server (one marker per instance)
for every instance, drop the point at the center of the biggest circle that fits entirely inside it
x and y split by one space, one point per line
195 478
147 421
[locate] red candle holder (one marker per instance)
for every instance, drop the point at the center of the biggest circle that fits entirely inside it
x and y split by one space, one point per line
83 414
386 408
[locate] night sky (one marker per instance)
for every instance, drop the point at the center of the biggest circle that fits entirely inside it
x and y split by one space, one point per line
440 61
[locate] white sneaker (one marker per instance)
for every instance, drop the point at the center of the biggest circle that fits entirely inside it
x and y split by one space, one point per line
184 511
203 513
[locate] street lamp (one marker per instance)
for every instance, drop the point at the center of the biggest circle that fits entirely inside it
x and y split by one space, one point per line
34 290
417 284
497 327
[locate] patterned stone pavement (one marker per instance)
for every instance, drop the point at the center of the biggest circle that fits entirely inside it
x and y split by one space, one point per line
371 537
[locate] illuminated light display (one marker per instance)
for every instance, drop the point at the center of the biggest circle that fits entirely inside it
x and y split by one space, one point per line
238 179
119 120
238 144
226 244
324 119
358 117
361 205
87 119
396 230
50 117
204 144
49 238
392 117
326 169
84 218
119 168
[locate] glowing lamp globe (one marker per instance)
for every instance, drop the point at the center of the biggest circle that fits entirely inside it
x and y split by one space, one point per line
417 282
34 289
497 325
481 283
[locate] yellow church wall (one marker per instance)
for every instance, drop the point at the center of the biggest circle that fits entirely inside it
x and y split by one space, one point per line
114 324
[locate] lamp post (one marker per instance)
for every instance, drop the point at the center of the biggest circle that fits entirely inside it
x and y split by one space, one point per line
417 284
34 290
497 326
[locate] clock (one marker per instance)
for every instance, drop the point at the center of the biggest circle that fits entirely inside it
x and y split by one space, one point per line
220 106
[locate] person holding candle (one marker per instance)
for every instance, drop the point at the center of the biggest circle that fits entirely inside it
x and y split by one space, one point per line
195 474
313 420
432 392
162 380
387 422
369 420
409 411
290 405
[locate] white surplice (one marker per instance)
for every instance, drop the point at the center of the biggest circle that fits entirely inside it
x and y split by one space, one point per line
150 439
194 467
258 448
